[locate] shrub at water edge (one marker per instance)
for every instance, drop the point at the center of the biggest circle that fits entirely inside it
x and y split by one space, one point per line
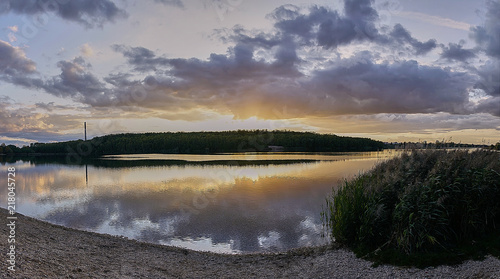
423 203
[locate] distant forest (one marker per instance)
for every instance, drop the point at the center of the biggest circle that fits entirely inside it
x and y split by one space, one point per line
202 143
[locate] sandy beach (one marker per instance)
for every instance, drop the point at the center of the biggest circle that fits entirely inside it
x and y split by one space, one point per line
45 250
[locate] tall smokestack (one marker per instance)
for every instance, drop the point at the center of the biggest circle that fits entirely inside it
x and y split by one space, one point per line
85 129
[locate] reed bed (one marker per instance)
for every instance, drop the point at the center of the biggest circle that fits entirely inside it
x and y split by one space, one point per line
425 207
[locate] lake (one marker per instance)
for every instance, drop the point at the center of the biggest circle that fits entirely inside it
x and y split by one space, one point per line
228 203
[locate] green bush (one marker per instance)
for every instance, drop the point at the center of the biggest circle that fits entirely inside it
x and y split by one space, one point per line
421 202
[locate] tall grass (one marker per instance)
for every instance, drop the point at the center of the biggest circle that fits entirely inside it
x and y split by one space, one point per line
421 203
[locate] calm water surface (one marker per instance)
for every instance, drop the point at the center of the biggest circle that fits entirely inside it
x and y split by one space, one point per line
231 203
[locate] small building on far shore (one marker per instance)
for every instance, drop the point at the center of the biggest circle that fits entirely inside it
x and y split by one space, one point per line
276 148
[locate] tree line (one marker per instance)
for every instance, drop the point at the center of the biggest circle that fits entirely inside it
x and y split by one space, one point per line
202 143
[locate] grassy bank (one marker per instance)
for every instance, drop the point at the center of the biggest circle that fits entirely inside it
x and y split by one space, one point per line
422 208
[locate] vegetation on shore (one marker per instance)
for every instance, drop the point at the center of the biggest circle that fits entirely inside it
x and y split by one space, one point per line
423 208
203 142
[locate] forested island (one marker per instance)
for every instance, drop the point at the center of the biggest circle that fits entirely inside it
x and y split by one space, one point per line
201 143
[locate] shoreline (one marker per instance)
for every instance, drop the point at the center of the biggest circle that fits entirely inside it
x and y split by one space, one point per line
45 250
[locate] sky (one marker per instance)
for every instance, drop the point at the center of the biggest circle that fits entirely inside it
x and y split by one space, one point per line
391 70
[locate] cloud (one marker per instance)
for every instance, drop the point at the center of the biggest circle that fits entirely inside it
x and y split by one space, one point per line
240 35
490 105
13 60
23 122
402 36
238 64
330 29
13 28
12 34
75 81
488 35
325 27
51 106
142 58
90 13
359 86
47 122
489 77
240 84
457 52
86 50
16 68
243 86
285 12
184 84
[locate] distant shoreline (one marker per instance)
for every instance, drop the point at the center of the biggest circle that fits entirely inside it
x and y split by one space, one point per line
53 251
202 143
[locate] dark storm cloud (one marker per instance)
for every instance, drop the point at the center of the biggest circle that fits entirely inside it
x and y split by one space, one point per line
457 52
90 13
488 35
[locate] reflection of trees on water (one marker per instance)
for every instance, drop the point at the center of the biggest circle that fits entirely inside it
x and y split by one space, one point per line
109 163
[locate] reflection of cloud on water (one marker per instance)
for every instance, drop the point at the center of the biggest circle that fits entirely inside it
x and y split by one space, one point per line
202 244
238 214
244 208
309 228
270 241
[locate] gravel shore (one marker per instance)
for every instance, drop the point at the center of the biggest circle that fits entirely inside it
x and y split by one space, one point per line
44 250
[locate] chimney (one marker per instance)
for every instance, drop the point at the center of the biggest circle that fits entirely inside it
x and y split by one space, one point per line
85 129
